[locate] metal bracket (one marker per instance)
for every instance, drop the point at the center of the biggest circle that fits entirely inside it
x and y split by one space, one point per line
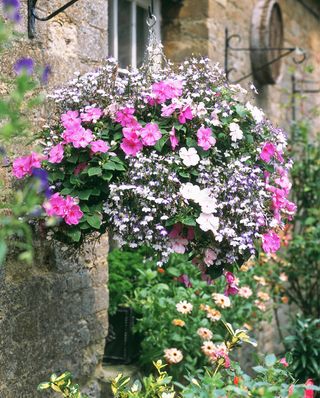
32 16
296 90
229 48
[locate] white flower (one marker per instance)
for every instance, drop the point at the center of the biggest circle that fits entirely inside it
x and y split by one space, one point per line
168 394
208 222
184 307
205 333
189 156
208 204
235 132
190 191
172 355
245 292
257 113
221 300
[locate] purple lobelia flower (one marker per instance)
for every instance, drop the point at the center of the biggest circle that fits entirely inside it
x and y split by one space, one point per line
12 9
42 176
24 65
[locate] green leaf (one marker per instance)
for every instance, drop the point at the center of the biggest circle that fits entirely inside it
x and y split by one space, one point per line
191 142
241 110
160 144
94 171
190 221
270 360
259 369
107 176
94 221
74 234
3 251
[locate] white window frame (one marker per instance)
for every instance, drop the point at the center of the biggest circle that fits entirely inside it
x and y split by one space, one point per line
133 25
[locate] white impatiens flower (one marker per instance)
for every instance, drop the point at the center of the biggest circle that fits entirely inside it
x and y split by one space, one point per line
256 113
235 132
207 203
190 191
208 222
189 156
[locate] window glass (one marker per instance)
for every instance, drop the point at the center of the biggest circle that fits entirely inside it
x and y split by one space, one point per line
142 34
124 32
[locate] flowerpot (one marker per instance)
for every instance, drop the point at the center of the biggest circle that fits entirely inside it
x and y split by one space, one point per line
122 345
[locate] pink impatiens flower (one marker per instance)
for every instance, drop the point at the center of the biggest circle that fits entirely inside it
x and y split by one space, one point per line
173 139
55 205
205 139
185 114
72 212
150 134
164 90
125 116
91 114
178 245
82 138
23 166
70 118
131 146
99 146
56 154
284 362
270 242
267 152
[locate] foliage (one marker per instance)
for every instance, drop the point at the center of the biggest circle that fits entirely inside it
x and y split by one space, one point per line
172 160
304 347
124 268
62 384
271 380
15 106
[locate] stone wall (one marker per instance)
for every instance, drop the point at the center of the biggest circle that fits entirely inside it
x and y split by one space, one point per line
198 27
53 317
53 314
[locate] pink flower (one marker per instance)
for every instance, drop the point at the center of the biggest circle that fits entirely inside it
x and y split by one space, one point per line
131 133
173 139
185 114
71 133
55 205
309 393
270 242
56 154
291 390
210 257
91 114
178 245
23 166
205 139
131 146
168 110
150 134
82 138
284 362
99 146
176 231
268 151
72 212
71 118
79 168
230 278
164 90
125 116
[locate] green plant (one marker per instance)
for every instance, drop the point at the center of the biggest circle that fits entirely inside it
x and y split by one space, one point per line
62 384
176 309
304 347
15 107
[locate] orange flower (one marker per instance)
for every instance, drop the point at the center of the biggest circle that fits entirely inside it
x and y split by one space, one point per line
285 299
178 322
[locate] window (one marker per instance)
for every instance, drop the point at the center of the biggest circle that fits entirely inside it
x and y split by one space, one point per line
128 30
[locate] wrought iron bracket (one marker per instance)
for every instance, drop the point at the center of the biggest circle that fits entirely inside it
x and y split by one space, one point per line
296 89
229 47
32 16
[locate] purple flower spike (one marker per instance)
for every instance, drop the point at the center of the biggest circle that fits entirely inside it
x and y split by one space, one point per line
11 9
24 65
